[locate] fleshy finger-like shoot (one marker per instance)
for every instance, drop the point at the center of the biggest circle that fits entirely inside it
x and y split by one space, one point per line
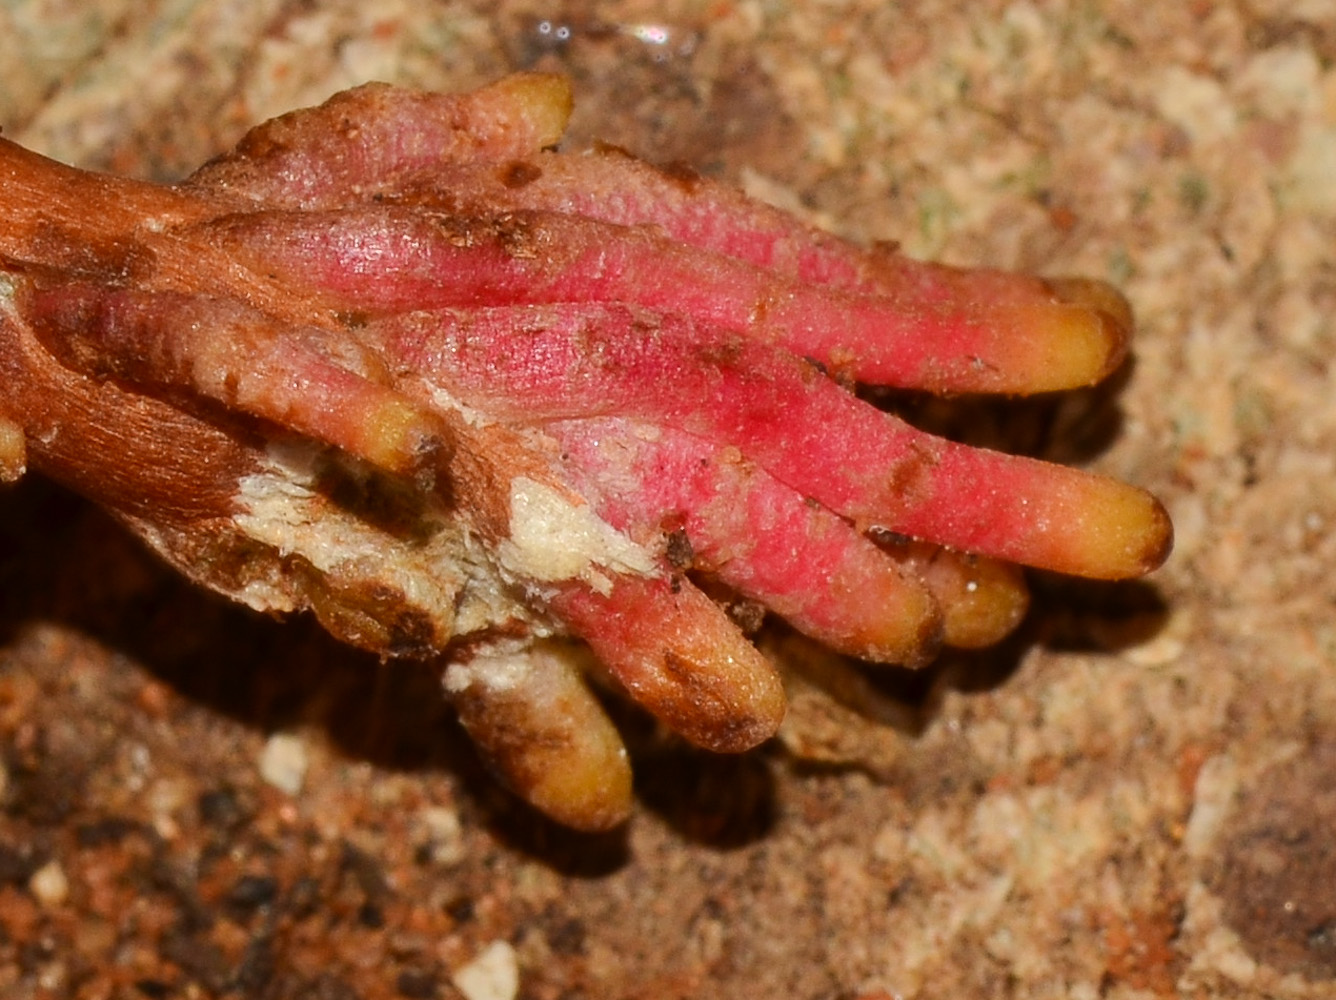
397 362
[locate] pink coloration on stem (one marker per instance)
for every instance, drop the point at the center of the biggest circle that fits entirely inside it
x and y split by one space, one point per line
566 362
676 653
311 380
390 259
755 534
370 140
1077 331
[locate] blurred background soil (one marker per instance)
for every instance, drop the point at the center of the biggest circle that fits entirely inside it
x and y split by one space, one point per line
1135 798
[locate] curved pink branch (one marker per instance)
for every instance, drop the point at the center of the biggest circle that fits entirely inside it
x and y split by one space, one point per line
311 380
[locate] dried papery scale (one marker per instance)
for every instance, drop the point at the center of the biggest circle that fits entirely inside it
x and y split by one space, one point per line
397 362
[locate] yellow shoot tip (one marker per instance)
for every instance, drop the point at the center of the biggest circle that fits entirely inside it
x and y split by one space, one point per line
1119 533
543 98
1060 346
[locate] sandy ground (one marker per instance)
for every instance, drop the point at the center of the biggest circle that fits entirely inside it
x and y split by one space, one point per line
1136 798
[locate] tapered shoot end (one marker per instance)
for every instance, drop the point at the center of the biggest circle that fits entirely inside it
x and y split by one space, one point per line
542 100
680 657
1116 532
1076 341
539 726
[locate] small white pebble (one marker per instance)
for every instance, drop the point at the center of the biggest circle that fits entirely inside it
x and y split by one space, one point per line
49 884
445 834
493 975
283 762
140 763
52 977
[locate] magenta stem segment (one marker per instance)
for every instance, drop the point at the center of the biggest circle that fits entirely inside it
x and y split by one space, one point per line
755 534
784 415
244 359
371 139
391 259
677 654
